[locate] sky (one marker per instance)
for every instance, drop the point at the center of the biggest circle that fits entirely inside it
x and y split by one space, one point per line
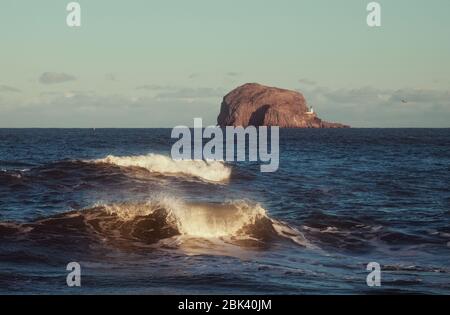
160 63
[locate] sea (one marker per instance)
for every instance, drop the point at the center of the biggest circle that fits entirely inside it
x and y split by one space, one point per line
138 222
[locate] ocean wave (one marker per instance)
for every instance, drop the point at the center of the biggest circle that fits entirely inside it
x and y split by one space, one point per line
212 171
15 164
11 174
232 221
240 222
364 234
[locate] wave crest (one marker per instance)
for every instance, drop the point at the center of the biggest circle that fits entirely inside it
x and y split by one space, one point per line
234 221
241 223
212 171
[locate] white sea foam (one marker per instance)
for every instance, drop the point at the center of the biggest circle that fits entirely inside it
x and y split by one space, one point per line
212 171
237 219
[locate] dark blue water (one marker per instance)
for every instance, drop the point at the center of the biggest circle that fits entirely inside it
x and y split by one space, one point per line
140 224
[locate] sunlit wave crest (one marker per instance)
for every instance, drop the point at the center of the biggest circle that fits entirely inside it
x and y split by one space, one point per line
211 171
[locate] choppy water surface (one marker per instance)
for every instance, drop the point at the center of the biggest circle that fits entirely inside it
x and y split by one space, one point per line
139 222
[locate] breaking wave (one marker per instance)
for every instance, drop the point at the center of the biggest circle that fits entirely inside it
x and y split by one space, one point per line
212 171
146 223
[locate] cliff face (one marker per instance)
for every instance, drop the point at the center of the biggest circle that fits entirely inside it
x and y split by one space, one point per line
256 105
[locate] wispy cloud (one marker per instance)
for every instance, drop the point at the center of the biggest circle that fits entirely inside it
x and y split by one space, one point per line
110 77
154 87
194 75
375 107
84 109
67 94
171 105
182 93
191 93
7 88
421 96
55 77
393 97
307 81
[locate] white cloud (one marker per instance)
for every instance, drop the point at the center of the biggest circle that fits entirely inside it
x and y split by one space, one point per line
88 109
372 107
154 87
55 77
191 93
7 88
169 106
110 77
307 81
194 75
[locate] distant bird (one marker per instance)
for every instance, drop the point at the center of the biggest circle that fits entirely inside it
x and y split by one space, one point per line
404 101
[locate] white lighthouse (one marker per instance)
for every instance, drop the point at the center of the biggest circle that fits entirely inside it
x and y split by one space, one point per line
310 111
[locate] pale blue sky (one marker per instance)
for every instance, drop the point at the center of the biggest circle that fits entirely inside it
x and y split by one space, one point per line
146 63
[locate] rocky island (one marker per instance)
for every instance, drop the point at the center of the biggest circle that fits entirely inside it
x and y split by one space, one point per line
254 104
